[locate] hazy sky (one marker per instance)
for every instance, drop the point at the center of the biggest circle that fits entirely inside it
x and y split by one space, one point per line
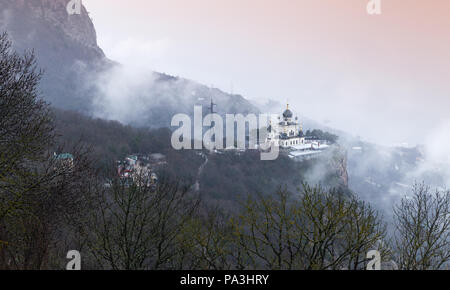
384 77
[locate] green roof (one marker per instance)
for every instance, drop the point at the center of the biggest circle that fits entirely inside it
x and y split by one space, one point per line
133 157
64 156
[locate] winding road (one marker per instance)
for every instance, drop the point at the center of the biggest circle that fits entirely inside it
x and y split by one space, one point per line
199 172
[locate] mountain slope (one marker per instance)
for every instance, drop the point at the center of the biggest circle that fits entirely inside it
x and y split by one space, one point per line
78 76
224 180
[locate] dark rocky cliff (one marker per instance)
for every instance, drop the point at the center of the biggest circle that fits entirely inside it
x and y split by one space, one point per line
32 18
65 46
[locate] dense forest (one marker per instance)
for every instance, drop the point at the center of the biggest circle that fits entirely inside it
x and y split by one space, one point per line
109 141
228 176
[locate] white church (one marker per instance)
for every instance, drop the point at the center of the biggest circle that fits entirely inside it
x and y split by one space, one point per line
288 132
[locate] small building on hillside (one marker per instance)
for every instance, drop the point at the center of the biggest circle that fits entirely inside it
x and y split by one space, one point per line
141 168
64 159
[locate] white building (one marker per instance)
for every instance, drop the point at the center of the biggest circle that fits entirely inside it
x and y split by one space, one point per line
288 132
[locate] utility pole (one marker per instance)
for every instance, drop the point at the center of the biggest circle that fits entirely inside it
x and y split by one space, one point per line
211 109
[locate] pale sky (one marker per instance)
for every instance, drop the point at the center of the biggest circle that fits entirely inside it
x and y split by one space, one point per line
384 77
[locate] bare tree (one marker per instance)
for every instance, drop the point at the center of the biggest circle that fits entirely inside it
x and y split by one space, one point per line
136 227
50 211
40 197
423 229
26 130
321 230
208 242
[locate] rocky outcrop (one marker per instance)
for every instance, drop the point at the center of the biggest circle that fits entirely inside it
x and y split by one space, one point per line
339 162
330 169
65 47
78 27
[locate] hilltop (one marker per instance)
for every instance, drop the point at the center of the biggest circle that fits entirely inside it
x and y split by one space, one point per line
79 76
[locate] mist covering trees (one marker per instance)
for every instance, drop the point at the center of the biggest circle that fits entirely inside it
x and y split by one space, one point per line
48 208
